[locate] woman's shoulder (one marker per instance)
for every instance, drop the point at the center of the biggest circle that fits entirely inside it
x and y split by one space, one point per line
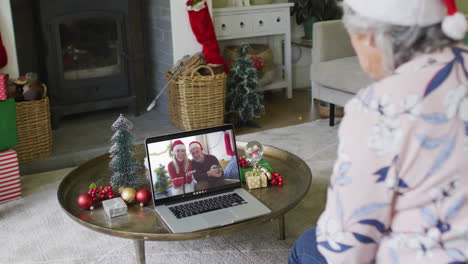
422 76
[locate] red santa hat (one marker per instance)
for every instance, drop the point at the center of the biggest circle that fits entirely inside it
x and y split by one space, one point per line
415 13
178 144
195 144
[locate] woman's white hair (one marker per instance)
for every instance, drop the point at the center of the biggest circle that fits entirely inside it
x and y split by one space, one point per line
398 43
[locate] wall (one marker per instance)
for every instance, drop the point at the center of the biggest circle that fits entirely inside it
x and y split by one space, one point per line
8 37
215 141
463 6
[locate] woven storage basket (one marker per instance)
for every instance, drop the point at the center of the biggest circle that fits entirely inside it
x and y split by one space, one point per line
34 129
197 101
324 111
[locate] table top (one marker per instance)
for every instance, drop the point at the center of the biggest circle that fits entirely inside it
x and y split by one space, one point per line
145 223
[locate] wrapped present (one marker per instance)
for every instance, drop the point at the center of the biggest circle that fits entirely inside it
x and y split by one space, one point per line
8 130
262 163
256 179
114 207
10 184
3 86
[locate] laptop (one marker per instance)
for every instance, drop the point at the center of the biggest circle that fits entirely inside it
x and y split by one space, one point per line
200 193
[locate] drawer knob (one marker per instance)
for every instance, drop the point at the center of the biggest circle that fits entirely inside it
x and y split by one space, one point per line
223 27
260 23
278 19
242 25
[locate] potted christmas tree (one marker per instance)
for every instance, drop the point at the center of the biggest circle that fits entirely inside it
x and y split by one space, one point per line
244 99
162 179
311 11
125 168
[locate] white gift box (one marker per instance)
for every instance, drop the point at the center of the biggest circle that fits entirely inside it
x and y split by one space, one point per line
114 207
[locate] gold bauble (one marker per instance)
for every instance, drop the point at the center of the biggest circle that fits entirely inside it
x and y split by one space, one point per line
128 195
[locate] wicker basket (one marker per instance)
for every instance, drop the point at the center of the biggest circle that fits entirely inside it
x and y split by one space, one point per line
34 129
324 110
197 101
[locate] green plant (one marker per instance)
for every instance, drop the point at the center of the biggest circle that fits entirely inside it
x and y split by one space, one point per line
318 9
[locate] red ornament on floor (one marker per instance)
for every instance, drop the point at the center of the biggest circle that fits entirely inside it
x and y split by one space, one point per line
143 196
85 201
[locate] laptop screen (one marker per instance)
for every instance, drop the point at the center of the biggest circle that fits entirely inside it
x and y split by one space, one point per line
192 163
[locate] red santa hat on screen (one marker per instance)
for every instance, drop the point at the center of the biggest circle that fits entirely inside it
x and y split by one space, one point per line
178 144
415 13
195 144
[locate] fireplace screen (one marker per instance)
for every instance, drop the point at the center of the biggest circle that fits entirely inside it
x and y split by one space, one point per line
90 48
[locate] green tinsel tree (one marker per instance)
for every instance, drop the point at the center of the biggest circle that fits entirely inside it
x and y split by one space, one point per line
243 90
125 168
162 179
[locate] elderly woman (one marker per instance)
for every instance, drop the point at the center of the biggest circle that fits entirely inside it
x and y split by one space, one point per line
399 189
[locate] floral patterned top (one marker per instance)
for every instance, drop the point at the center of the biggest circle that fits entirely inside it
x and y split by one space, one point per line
399 189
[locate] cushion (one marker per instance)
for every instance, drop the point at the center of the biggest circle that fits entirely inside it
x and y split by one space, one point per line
344 74
231 171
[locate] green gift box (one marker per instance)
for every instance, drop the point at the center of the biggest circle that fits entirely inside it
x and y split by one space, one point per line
263 163
8 132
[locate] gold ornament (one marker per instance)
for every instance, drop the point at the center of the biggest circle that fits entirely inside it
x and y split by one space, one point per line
266 172
128 195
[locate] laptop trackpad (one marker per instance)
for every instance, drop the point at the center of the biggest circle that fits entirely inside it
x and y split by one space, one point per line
222 218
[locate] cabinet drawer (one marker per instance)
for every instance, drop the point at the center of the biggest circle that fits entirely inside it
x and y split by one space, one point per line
279 20
262 23
232 25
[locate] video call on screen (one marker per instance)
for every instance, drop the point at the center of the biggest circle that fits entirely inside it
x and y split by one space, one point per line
192 164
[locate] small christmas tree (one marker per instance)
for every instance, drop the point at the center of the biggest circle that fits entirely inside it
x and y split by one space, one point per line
124 166
243 90
162 180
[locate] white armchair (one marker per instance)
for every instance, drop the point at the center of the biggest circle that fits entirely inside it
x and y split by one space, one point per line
335 73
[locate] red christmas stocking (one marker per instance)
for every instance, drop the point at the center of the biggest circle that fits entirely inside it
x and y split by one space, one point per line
3 54
227 143
203 29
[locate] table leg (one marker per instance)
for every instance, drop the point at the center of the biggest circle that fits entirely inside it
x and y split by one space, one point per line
281 227
139 250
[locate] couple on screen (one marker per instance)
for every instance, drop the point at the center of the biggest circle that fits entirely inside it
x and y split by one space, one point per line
186 173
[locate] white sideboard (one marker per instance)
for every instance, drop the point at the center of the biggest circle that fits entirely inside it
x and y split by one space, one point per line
259 21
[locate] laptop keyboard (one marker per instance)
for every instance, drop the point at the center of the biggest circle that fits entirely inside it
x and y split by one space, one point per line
207 205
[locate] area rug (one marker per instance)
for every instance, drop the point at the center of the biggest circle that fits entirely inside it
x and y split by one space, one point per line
35 229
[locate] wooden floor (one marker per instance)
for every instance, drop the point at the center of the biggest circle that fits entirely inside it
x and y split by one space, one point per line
282 112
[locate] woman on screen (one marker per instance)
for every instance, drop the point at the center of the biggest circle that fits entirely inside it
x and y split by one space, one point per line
180 169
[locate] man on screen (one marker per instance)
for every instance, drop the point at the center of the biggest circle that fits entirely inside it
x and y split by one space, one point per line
207 167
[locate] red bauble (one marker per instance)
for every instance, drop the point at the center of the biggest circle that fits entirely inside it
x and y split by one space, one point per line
143 196
85 201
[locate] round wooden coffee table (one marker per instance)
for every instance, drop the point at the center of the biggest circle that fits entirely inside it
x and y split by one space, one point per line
143 223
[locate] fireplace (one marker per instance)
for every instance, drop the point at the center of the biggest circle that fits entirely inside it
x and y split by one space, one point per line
93 55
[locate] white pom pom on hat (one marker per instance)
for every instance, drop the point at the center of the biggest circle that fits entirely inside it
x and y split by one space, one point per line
454 24
415 13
